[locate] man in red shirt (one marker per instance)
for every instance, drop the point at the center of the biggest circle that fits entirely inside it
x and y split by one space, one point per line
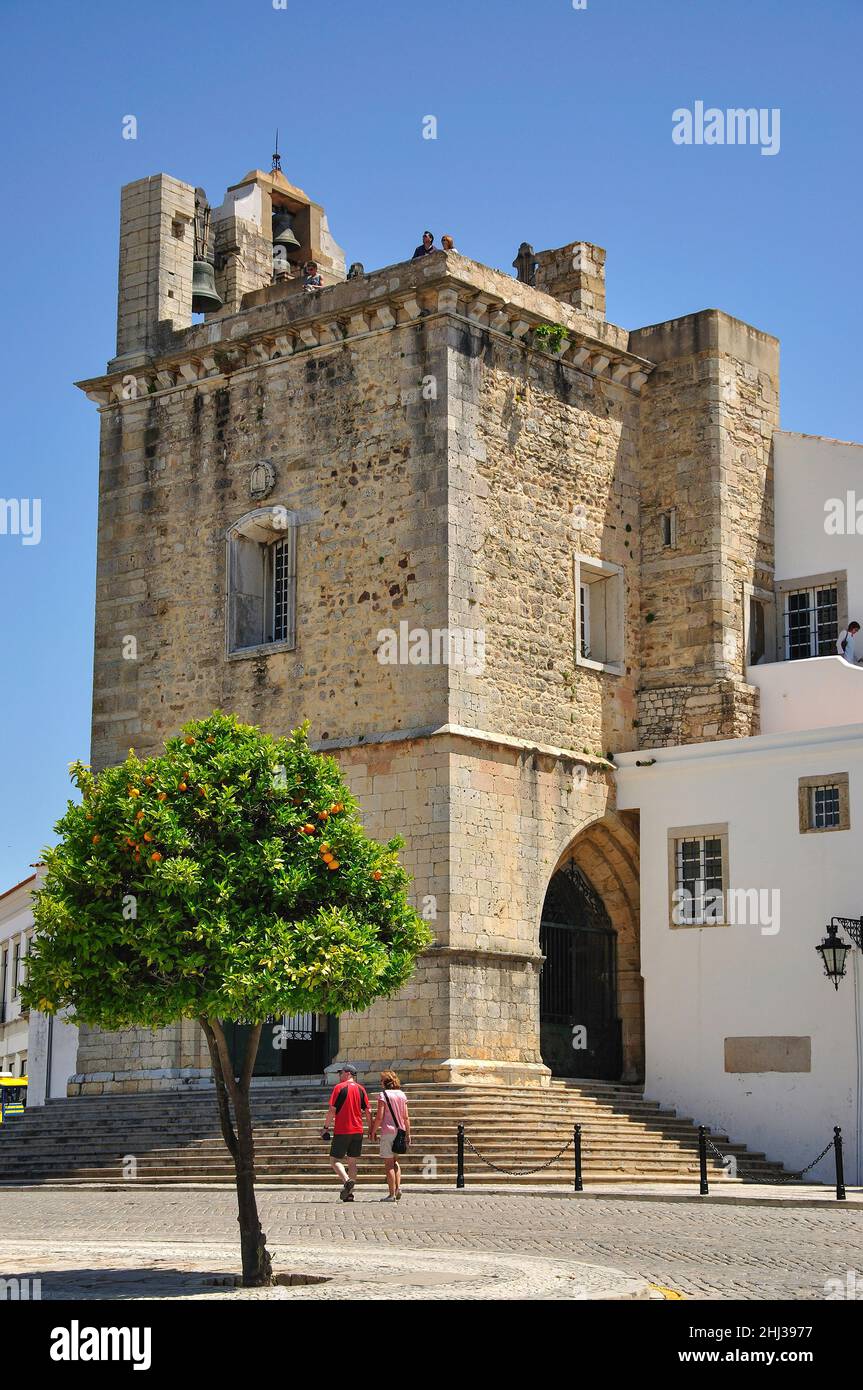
348 1104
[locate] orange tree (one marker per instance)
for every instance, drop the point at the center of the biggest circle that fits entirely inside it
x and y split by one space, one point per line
229 878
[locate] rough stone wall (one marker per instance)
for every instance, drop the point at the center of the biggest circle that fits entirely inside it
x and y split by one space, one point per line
243 259
156 254
574 274
365 470
432 508
486 824
542 466
708 412
672 714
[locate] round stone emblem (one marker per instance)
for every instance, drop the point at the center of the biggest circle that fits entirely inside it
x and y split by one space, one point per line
262 480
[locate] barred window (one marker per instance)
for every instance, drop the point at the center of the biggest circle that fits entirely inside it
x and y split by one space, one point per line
698 875
824 802
261 581
584 619
811 622
599 616
699 872
825 807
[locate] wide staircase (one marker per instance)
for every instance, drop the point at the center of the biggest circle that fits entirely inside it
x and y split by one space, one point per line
173 1137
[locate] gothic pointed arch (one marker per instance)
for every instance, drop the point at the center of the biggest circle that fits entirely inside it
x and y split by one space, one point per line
594 892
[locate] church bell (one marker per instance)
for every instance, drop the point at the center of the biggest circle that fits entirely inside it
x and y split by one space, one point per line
205 296
283 232
285 244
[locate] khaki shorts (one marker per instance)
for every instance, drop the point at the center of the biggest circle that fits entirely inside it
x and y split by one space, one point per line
386 1149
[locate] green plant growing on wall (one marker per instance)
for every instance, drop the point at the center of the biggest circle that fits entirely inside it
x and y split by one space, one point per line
549 336
227 879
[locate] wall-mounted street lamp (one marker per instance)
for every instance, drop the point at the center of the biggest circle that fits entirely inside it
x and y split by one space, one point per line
834 951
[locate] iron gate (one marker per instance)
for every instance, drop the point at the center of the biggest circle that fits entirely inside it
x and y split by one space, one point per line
293 1045
580 1033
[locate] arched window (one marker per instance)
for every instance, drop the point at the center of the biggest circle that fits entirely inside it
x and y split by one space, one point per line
262 582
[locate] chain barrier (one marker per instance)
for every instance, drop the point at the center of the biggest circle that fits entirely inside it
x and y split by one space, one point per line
725 1159
517 1172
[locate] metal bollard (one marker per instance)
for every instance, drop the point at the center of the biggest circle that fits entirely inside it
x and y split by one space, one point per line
459 1177
576 1145
840 1169
702 1160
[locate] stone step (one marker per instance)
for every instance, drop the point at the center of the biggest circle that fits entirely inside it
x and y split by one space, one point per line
455 1115
267 1140
312 1123
175 1136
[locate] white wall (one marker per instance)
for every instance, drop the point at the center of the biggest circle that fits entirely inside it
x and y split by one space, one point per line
16 926
808 472
703 985
35 1037
823 692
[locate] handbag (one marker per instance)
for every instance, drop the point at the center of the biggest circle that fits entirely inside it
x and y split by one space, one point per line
400 1142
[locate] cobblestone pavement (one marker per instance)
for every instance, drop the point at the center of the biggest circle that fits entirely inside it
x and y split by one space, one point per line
750 1252
188 1271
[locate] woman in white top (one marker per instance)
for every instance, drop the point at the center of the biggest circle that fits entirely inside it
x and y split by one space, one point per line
392 1115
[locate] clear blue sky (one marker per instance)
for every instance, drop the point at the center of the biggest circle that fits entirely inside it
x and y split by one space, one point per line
554 124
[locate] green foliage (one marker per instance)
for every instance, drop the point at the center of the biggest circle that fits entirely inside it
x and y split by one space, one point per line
195 883
549 336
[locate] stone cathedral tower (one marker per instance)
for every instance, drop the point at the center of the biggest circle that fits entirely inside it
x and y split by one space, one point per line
481 538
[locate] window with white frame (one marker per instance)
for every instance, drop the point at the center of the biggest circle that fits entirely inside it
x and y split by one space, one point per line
16 967
811 621
599 614
261 582
698 875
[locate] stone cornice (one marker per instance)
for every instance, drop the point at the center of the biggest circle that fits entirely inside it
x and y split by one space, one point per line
468 735
482 954
281 322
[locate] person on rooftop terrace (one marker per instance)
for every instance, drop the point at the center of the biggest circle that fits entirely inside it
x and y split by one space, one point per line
845 643
427 246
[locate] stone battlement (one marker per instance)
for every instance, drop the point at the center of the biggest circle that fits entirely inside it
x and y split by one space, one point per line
276 322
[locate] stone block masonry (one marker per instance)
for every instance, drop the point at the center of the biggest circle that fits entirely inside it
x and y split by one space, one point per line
452 470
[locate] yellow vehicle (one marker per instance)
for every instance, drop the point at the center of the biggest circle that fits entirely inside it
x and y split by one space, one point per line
13 1096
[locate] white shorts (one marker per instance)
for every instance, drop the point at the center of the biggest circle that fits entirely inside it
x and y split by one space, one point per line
386 1149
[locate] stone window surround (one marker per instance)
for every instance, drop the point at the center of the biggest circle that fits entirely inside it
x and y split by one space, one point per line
771 623
671 513
804 802
258 525
718 831
839 578
613 578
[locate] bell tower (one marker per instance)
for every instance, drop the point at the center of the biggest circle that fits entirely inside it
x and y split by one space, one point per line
179 257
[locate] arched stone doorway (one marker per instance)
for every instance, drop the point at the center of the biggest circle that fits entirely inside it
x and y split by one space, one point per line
591 990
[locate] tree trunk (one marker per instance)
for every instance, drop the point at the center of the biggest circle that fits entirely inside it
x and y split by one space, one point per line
257 1265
